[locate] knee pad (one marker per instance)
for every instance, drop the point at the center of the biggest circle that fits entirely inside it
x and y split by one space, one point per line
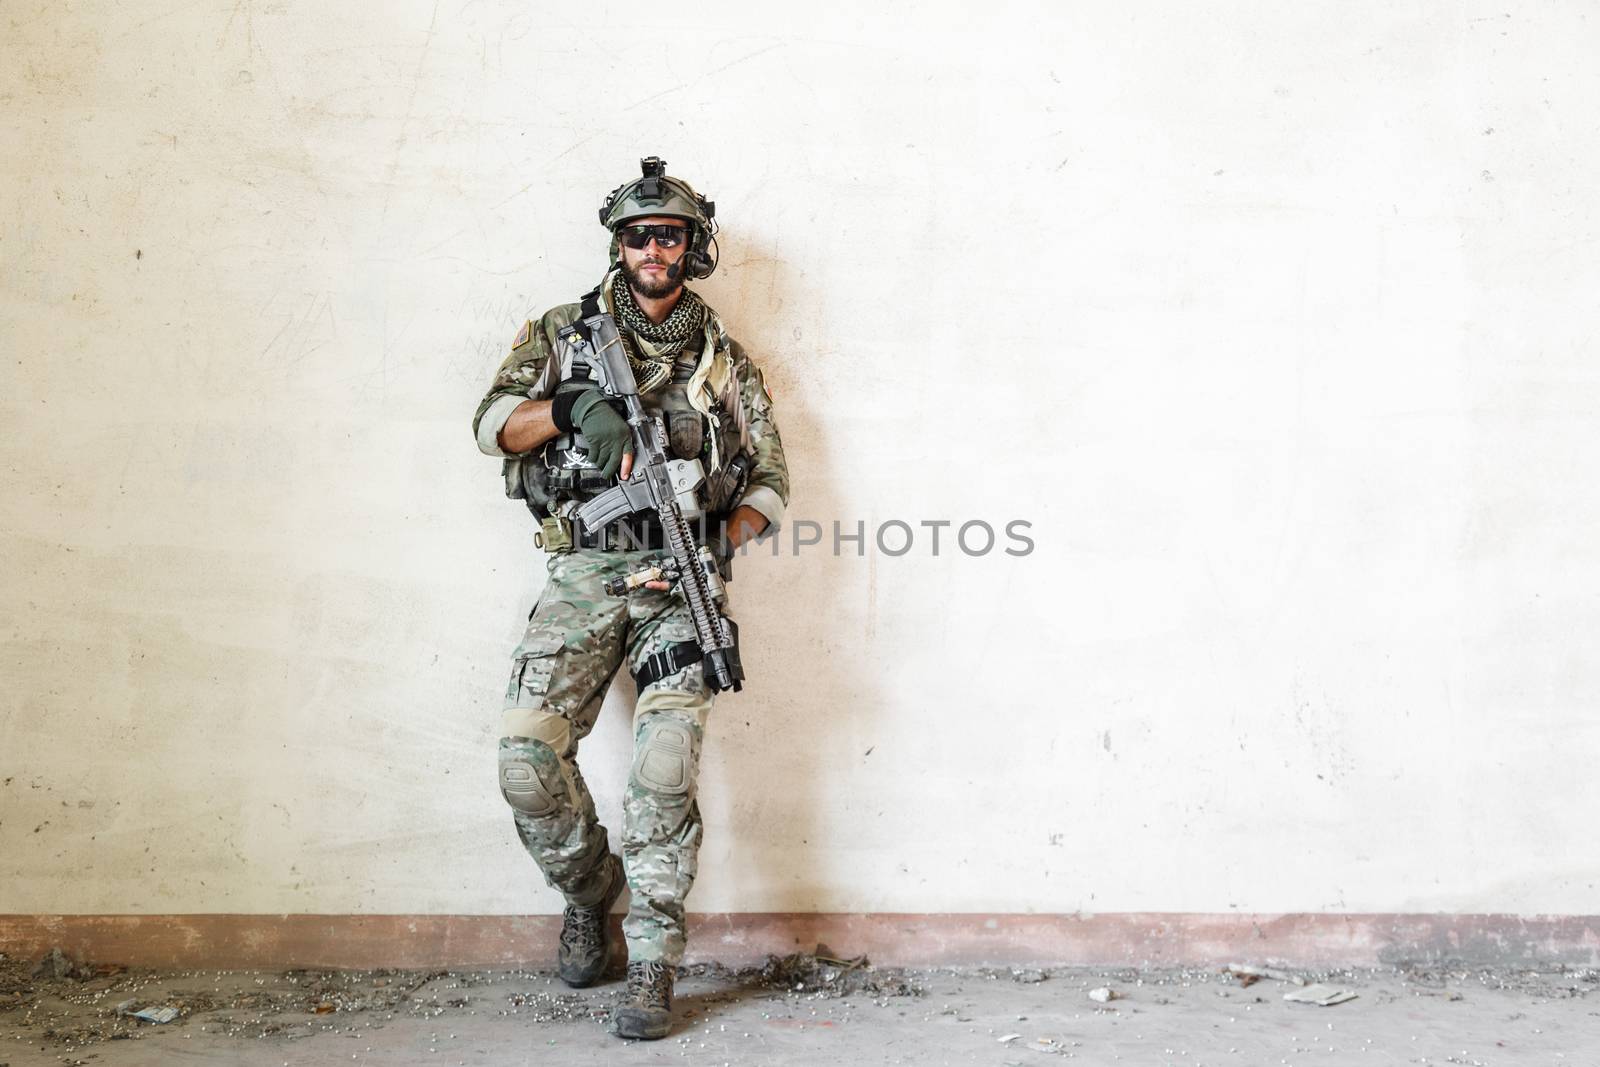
530 776
665 762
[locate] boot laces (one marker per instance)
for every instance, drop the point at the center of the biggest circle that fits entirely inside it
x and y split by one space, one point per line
581 927
650 984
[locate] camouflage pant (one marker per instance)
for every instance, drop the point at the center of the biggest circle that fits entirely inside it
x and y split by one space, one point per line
576 639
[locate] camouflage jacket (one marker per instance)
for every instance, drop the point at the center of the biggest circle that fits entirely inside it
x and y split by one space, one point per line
726 384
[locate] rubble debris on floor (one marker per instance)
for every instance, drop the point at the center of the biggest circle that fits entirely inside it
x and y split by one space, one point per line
803 1009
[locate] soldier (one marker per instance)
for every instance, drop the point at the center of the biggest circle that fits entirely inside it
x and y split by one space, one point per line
563 442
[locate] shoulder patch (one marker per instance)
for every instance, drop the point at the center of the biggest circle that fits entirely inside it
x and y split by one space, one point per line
524 334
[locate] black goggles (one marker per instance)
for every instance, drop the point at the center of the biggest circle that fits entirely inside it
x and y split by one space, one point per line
666 236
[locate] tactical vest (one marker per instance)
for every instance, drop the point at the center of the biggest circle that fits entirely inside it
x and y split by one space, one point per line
560 475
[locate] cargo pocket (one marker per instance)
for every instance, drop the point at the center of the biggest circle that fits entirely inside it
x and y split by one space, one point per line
531 669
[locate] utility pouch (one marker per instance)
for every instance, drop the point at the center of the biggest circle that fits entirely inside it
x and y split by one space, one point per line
686 433
511 471
723 488
554 534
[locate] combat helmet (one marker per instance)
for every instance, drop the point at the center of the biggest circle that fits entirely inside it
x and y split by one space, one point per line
654 193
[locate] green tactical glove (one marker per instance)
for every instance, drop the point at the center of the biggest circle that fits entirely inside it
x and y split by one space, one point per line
605 431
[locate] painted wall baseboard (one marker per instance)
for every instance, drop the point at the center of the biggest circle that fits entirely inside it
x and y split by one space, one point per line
741 938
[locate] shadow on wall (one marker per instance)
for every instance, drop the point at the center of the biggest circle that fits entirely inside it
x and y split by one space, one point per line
778 765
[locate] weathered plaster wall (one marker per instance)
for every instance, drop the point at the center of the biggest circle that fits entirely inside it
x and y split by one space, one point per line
1276 322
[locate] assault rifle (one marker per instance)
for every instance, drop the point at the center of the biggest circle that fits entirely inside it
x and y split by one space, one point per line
660 485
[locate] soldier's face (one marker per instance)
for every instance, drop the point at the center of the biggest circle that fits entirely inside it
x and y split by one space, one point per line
653 271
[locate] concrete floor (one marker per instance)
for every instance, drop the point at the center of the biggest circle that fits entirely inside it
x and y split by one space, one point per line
803 1012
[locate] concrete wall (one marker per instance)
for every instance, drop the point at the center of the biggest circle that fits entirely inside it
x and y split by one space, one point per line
1275 321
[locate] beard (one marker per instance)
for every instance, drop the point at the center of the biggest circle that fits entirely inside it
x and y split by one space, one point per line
671 279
